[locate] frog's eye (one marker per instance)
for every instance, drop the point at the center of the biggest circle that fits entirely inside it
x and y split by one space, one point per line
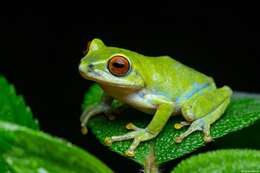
118 65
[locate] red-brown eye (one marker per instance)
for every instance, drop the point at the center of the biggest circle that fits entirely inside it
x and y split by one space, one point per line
118 65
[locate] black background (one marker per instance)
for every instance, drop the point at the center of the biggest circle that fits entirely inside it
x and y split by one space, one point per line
41 46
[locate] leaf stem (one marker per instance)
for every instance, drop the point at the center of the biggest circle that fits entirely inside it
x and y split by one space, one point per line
150 165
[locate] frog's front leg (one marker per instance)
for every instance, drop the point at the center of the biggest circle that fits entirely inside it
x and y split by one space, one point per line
163 112
203 110
104 106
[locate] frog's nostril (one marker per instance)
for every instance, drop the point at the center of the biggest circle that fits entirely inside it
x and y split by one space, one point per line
91 66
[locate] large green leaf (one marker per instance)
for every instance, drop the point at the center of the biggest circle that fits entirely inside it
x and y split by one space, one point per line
241 113
13 108
25 150
4 166
222 161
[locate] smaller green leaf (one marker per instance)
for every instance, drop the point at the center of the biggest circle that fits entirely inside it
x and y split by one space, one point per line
13 107
241 113
222 161
26 150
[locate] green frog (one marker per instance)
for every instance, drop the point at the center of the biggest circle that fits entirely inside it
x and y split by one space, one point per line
160 86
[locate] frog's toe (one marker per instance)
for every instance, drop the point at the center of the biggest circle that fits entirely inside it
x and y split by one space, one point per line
84 130
130 153
206 130
207 139
200 125
181 124
178 126
108 141
178 139
131 126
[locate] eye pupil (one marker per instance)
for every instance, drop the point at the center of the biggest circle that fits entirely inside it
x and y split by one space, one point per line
118 65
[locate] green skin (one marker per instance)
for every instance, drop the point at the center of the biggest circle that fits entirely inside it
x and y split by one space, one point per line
160 86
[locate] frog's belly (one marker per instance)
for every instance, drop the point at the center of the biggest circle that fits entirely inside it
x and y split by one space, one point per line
139 102
145 106
145 109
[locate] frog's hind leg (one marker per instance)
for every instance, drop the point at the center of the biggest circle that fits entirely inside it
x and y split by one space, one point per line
204 110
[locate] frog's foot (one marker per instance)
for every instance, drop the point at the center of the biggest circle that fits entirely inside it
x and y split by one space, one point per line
181 124
138 134
199 124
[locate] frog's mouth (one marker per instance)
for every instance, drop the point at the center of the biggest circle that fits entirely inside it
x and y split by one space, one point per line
104 78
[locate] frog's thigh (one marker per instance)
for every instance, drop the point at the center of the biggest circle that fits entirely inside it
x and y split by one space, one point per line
205 110
201 105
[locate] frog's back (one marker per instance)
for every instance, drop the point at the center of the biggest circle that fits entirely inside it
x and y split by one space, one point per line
172 78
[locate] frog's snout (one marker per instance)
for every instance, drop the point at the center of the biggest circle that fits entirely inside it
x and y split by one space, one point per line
83 69
87 71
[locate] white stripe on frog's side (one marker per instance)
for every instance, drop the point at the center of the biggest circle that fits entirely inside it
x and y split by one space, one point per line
139 101
145 102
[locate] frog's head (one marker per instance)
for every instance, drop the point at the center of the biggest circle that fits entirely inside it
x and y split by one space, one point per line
111 66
